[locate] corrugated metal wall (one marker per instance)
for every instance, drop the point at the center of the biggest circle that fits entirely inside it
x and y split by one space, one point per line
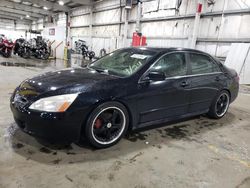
170 25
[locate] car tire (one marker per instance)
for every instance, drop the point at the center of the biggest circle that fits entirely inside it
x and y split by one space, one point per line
107 119
219 105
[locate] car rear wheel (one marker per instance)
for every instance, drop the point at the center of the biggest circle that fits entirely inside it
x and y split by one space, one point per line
219 105
107 124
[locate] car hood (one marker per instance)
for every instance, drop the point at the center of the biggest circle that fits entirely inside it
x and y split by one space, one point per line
63 81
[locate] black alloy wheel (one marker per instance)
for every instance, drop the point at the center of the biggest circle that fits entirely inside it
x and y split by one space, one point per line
219 105
107 124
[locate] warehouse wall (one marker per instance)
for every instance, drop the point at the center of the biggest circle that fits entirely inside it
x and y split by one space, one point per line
12 30
59 25
166 24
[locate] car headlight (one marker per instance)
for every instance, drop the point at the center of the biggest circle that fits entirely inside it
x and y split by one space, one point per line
59 103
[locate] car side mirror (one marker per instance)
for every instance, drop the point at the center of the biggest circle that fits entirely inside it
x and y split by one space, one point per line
155 76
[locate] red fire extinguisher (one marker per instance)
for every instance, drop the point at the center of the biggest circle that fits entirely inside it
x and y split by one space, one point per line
138 39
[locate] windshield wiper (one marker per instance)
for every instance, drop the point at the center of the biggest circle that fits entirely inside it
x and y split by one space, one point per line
100 70
106 71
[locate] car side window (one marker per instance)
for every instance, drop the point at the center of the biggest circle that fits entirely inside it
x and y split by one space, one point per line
201 64
171 65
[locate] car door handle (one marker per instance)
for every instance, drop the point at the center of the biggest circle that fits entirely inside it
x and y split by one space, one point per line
184 84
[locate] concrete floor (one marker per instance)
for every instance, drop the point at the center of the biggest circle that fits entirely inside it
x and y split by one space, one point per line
197 153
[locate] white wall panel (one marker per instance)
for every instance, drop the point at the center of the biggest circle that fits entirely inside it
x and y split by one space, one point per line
222 49
109 44
158 14
58 38
107 16
237 4
61 19
191 6
231 27
178 28
209 27
131 30
244 27
12 34
183 8
218 6
79 32
133 13
207 47
20 26
215 49
106 31
107 3
151 6
80 20
167 43
80 11
167 4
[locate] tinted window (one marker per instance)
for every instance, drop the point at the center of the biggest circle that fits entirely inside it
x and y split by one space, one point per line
201 64
171 65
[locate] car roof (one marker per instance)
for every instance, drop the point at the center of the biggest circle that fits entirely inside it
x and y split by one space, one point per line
168 49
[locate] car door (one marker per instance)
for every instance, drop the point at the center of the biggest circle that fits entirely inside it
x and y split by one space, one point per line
205 80
158 100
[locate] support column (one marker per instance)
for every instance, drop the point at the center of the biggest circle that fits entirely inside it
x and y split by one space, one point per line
221 26
91 27
125 32
68 37
196 25
138 18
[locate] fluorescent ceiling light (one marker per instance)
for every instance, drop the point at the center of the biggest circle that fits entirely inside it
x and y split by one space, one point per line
61 3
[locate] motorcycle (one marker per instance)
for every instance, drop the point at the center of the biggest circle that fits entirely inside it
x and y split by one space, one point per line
6 46
82 48
78 46
22 48
40 49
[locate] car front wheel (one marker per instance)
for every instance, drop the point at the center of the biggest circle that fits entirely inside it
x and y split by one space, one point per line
107 124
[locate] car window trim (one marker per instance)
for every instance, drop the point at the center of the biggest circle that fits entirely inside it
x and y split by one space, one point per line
207 55
189 71
194 75
165 54
186 76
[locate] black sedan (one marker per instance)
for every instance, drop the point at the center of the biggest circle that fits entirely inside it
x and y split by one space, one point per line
127 89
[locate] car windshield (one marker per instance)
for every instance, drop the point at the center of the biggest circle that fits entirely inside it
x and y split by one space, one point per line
123 62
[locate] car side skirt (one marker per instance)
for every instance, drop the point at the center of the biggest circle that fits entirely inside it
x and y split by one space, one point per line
165 120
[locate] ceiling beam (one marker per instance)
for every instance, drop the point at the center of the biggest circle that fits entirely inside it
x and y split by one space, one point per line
21 12
16 16
82 2
23 7
14 19
50 5
7 13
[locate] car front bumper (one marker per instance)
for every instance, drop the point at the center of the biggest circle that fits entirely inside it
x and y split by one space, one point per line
56 127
